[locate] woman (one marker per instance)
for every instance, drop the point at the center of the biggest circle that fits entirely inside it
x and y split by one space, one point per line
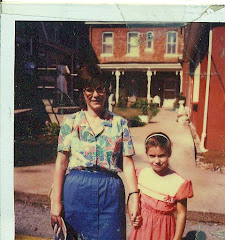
94 144
62 71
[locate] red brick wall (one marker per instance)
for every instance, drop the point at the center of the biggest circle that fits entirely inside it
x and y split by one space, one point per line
216 110
215 132
120 44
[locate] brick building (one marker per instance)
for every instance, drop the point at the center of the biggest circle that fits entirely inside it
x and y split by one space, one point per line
140 59
204 82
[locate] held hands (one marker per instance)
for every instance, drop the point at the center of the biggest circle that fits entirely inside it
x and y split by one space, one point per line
134 210
137 222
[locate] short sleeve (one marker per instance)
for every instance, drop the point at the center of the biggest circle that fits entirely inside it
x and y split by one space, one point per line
64 139
185 191
137 172
128 148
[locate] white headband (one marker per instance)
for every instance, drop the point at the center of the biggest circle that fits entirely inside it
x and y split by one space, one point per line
156 134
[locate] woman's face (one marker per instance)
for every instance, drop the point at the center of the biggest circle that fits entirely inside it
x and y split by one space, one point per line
158 159
95 97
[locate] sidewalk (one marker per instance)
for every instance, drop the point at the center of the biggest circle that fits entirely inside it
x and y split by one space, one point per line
33 183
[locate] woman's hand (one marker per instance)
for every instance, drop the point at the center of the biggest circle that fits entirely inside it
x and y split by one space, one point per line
131 179
134 210
59 174
56 209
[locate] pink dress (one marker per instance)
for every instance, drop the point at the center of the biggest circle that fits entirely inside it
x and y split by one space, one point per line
158 203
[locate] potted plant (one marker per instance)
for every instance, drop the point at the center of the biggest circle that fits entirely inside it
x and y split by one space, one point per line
143 105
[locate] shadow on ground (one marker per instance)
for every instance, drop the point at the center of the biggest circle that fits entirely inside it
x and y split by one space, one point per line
195 235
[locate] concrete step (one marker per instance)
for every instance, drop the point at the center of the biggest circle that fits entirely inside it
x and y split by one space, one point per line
25 237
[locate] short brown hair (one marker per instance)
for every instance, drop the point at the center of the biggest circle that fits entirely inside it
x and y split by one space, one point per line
161 140
91 75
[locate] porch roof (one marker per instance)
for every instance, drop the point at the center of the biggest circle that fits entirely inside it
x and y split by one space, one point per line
141 66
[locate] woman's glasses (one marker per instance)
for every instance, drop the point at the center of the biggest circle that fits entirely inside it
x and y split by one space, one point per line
98 89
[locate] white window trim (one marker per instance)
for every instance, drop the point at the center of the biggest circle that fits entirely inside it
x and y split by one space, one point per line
196 86
146 48
169 54
108 54
131 54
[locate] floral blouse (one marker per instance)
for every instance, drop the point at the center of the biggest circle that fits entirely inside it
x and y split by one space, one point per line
106 148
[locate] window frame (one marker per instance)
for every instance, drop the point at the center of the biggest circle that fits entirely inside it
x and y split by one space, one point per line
149 49
104 43
131 54
167 43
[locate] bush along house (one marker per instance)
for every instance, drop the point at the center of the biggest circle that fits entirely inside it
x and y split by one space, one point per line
140 59
204 82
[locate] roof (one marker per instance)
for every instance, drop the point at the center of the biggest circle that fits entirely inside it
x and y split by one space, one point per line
213 14
107 12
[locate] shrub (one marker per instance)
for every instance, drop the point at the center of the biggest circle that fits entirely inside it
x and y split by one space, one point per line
153 105
135 121
122 103
154 112
52 128
142 104
179 97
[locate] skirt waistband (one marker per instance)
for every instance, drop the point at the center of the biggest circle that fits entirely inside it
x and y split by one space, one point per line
95 169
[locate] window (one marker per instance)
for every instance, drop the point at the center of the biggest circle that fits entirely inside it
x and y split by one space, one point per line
149 40
133 44
171 43
107 43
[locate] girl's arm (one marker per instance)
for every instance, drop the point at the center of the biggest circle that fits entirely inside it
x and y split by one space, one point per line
130 176
181 218
59 174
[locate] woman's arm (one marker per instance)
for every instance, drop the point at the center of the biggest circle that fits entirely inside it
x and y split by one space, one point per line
130 176
181 218
59 174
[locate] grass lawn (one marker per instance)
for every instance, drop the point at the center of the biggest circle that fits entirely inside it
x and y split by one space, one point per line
127 112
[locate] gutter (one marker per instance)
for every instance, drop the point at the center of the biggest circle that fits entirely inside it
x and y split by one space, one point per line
202 143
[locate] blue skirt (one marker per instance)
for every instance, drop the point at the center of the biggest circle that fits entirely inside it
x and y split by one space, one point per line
94 205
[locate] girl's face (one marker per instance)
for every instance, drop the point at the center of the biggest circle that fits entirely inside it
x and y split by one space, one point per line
158 159
95 97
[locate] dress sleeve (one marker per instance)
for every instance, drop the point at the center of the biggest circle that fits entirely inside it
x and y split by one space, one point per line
64 139
128 148
185 191
137 172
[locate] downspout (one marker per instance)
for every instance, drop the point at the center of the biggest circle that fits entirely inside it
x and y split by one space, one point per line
202 143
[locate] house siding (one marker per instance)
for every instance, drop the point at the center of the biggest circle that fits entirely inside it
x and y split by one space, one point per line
215 130
216 111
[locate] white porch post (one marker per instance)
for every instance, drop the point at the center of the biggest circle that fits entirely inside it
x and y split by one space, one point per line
149 75
181 81
117 73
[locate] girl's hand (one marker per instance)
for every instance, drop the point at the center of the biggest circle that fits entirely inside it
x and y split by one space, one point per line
56 209
138 222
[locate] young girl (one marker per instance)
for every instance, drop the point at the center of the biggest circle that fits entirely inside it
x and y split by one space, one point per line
162 192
